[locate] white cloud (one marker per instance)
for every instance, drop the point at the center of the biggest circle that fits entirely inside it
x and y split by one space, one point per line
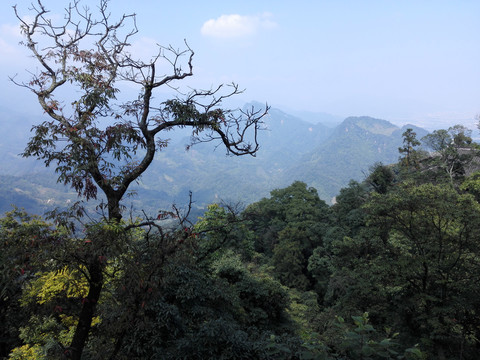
235 26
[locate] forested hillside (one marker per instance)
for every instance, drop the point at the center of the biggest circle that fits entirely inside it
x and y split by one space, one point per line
391 271
355 145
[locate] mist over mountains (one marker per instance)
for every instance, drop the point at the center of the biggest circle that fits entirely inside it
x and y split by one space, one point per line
324 155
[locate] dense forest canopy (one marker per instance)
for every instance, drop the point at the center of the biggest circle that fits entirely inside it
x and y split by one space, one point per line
389 271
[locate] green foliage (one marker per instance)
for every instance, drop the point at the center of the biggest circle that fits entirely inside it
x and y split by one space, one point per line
438 140
297 206
304 310
471 185
262 300
340 247
357 341
454 152
431 263
26 244
219 229
231 307
290 263
348 207
408 256
63 283
381 178
27 352
363 342
287 227
410 142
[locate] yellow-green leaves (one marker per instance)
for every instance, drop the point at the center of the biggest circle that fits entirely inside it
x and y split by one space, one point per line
27 352
65 283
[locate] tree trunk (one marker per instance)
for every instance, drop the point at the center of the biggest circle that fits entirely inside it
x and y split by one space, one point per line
114 213
89 305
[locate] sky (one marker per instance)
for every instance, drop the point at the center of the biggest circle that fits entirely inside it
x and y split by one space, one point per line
403 61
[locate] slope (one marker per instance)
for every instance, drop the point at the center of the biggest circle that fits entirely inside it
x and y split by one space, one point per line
353 147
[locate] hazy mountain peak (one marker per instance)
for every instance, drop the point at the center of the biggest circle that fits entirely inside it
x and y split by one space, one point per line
373 125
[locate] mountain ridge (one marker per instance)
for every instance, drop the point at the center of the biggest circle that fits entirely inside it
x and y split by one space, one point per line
291 149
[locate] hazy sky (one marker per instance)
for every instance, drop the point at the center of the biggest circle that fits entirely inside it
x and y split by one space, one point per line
403 61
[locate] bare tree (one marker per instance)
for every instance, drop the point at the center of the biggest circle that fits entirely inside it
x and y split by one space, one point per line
97 141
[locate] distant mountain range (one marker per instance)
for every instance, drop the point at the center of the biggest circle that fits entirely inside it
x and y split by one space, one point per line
323 156
348 153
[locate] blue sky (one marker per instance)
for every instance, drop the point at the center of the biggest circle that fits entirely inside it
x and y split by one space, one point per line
404 61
